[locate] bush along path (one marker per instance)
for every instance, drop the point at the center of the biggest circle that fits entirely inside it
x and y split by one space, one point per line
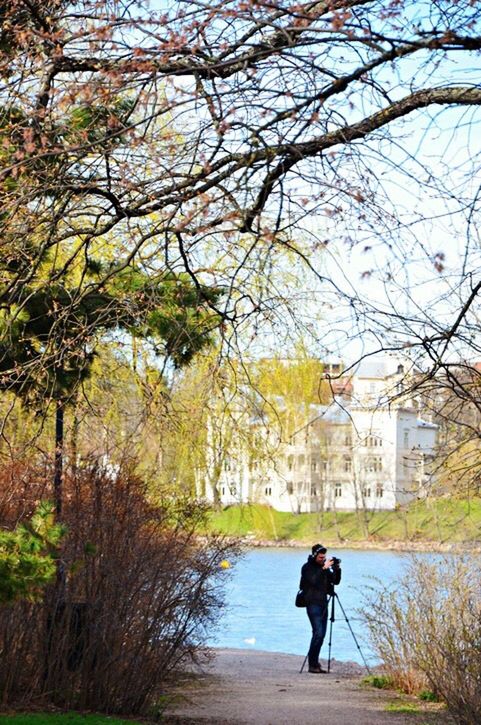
246 687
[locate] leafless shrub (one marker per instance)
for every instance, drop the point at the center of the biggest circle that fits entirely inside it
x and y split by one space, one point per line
427 632
141 594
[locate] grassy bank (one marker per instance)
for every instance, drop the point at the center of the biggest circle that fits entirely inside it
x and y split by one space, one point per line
62 718
444 521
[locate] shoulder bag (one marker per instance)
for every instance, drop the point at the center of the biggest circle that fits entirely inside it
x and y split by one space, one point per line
301 599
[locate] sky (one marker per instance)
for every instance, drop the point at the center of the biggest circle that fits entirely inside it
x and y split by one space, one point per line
413 252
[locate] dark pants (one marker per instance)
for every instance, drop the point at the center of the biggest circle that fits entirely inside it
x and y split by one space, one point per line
317 614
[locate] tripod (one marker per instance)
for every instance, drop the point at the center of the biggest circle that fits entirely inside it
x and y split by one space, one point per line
331 599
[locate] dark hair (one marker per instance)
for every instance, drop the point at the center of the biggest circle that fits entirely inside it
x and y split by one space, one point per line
318 549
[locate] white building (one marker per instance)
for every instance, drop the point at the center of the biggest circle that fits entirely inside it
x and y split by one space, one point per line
361 451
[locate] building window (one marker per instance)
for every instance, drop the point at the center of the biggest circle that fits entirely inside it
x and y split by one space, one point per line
313 491
324 466
348 440
223 491
300 461
227 465
268 490
373 464
290 462
366 492
406 438
337 490
290 488
233 489
313 465
379 490
373 441
347 464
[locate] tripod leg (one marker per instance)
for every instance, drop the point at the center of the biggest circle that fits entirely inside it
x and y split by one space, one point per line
332 618
352 632
303 664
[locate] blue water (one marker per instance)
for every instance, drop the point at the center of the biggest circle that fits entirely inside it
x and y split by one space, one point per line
260 595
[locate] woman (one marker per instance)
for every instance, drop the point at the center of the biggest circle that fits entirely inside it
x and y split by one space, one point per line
318 577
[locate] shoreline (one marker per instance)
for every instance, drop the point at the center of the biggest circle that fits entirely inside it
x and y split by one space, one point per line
388 545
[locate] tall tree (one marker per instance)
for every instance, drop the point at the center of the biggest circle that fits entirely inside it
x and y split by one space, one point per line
192 137
51 343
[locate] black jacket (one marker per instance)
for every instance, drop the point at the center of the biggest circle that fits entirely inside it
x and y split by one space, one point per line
316 582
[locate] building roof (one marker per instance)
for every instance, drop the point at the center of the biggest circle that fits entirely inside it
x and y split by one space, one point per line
426 424
329 413
383 367
371 369
333 413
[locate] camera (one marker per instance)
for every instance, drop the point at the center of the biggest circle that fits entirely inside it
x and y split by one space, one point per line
335 561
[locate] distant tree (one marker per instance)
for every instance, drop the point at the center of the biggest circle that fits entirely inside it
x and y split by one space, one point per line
226 415
291 389
451 398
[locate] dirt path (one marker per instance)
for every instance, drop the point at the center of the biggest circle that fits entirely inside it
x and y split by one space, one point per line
246 687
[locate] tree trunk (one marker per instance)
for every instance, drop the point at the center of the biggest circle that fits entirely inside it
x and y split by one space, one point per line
58 464
73 452
61 579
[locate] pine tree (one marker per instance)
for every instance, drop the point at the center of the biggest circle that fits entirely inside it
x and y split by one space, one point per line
28 556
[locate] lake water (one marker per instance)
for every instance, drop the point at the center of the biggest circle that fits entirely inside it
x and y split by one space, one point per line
261 613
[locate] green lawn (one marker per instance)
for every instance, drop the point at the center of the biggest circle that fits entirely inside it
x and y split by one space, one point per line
67 718
442 520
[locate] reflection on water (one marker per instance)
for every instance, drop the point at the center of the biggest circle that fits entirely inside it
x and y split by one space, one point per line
261 613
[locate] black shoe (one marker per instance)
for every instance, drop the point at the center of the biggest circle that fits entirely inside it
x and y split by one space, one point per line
316 670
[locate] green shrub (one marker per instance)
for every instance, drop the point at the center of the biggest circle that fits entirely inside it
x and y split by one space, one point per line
382 682
428 696
28 556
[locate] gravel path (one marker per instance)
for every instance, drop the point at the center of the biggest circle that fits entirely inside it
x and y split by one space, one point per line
247 687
